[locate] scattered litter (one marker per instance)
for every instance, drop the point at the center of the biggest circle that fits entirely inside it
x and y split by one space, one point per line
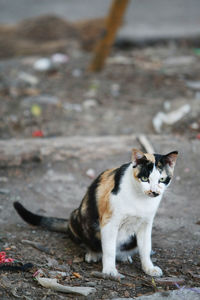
194 85
146 144
54 285
186 170
170 118
4 192
167 105
76 73
197 95
37 133
194 126
178 178
58 273
91 173
3 258
37 246
48 64
119 59
115 88
43 65
89 103
93 88
59 59
196 51
16 267
72 106
179 60
51 262
198 136
198 222
36 110
28 78
77 275
169 280
42 99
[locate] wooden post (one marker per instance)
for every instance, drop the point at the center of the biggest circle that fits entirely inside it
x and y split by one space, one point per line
113 22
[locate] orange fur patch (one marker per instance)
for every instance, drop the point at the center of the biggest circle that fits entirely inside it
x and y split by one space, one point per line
72 230
135 174
150 157
103 196
84 205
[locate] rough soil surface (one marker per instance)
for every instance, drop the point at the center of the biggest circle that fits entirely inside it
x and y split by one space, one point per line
68 101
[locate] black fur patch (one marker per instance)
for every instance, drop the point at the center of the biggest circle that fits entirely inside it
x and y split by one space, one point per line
87 226
130 244
145 169
118 176
26 215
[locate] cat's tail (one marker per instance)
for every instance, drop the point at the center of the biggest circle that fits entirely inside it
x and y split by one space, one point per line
50 223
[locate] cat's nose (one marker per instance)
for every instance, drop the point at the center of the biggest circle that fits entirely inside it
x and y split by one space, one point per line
155 194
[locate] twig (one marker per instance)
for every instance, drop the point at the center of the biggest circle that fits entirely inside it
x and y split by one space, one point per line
114 20
54 285
144 142
38 246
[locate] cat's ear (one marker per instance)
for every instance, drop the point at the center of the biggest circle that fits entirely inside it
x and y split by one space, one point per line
171 158
137 155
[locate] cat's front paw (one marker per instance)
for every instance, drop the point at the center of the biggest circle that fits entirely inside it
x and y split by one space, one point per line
113 273
155 271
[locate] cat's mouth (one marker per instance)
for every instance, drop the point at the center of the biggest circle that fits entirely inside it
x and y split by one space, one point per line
152 194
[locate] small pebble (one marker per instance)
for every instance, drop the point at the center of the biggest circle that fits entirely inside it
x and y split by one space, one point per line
194 126
3 179
89 103
76 73
4 191
42 65
91 173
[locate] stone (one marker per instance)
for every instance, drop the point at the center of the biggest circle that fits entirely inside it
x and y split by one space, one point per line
183 293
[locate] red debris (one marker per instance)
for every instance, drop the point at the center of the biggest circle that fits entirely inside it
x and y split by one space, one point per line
3 258
37 133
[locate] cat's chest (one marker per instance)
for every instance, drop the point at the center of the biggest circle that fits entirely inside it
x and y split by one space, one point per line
129 224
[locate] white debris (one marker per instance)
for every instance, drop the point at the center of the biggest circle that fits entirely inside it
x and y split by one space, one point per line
3 179
43 65
59 59
119 59
89 103
115 88
194 126
72 106
76 73
167 105
54 285
91 173
41 99
28 78
179 60
170 118
194 85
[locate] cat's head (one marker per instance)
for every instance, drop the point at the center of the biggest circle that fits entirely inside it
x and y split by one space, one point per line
153 172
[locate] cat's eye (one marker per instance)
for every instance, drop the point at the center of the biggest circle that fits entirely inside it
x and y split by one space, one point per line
143 178
162 179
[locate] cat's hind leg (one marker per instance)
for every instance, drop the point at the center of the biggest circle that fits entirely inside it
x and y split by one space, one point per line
91 256
126 256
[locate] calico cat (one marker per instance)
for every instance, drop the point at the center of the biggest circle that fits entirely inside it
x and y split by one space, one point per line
116 214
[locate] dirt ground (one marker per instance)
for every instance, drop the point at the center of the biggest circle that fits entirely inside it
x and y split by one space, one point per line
68 101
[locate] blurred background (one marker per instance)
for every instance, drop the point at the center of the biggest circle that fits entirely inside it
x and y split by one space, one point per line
76 92
46 48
